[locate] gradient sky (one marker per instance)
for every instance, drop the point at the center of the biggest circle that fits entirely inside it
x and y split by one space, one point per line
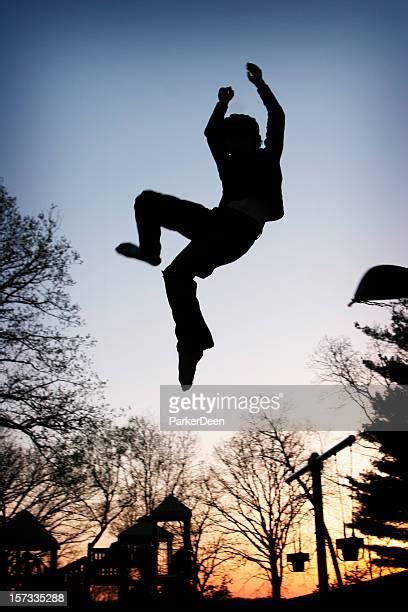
102 99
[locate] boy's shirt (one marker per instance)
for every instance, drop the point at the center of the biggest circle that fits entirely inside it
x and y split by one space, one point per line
257 176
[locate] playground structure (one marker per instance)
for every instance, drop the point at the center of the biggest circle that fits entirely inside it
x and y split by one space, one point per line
349 547
148 561
379 283
28 553
142 564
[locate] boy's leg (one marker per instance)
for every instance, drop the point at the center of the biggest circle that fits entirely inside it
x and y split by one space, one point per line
192 333
221 245
191 330
155 210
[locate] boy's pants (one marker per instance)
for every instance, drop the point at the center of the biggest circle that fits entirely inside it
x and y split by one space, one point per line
218 237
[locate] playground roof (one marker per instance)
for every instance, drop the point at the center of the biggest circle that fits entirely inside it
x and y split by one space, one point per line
142 530
171 509
25 532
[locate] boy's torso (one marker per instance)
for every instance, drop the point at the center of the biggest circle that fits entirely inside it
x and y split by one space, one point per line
256 182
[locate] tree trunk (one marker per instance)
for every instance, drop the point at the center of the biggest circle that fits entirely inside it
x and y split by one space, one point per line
275 578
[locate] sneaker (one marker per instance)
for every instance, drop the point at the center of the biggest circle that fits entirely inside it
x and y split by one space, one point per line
188 360
131 250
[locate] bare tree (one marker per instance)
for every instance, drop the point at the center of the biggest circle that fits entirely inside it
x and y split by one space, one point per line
28 482
157 464
336 361
47 387
212 553
76 490
213 557
92 469
255 506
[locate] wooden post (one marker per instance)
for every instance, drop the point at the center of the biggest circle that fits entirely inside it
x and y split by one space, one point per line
154 553
53 560
316 469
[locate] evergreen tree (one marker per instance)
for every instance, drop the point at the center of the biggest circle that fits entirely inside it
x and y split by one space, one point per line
381 492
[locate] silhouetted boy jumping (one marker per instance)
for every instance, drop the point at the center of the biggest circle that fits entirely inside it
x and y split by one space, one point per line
251 179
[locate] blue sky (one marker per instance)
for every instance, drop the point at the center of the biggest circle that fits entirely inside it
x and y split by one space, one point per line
104 99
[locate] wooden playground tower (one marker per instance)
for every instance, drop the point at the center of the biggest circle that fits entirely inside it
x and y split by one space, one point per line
142 564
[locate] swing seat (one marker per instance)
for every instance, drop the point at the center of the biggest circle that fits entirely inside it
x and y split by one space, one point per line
350 547
298 561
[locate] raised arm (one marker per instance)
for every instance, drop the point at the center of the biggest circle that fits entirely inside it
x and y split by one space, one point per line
275 126
214 129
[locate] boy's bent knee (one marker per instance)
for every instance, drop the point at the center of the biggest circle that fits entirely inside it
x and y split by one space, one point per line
171 273
176 274
144 197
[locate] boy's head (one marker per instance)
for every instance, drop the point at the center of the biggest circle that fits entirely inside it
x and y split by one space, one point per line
241 134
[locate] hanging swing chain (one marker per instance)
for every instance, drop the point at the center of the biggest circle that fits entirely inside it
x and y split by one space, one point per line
340 495
352 493
300 537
